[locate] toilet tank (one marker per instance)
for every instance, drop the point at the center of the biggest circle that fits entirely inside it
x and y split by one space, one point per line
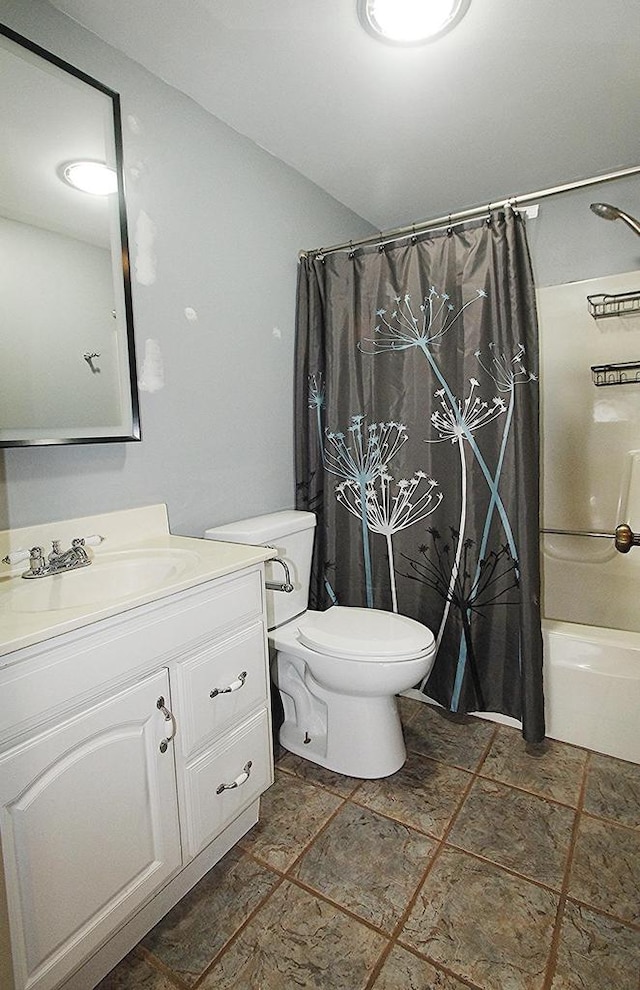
291 532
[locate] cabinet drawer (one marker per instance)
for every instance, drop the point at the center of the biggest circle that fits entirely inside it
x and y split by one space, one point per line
86 662
219 687
225 780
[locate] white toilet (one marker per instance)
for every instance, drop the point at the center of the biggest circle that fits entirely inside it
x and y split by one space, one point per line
337 671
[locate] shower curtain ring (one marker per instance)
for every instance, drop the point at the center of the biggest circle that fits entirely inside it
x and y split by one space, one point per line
380 244
414 236
488 214
449 228
352 253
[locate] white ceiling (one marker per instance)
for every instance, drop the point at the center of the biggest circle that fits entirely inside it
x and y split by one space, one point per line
51 119
522 95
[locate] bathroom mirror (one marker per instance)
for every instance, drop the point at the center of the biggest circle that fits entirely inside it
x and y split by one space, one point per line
66 329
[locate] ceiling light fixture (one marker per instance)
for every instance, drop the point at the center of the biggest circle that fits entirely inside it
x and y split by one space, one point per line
90 177
410 22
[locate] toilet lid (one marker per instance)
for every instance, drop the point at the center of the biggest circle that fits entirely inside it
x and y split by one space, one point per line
364 633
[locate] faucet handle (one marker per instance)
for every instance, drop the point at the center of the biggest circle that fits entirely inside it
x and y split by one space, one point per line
35 556
80 542
92 541
16 556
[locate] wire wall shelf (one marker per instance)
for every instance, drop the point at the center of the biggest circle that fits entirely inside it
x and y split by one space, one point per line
621 304
622 373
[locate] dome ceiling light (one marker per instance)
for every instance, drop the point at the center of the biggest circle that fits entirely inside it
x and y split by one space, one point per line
90 177
410 22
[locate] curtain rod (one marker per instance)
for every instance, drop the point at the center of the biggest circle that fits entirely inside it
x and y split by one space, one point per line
384 237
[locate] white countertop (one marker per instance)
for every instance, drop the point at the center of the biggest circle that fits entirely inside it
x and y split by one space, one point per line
30 611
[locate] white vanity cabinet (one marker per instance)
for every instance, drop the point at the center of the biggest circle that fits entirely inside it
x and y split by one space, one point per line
133 753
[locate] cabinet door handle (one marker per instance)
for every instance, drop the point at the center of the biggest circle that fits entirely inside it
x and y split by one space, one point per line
234 686
169 717
241 779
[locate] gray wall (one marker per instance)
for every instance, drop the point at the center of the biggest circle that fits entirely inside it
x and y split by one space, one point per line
229 220
569 243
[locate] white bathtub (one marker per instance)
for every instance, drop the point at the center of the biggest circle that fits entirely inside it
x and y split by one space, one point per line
591 639
591 671
592 687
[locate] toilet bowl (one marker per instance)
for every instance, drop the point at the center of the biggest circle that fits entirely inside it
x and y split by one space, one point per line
338 671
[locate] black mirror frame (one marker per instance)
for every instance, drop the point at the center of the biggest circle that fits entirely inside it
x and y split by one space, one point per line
135 434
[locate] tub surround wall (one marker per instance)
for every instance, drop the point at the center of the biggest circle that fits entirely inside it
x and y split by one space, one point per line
215 225
589 432
591 482
590 461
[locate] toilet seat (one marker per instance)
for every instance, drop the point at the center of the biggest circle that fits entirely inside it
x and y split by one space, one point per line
364 634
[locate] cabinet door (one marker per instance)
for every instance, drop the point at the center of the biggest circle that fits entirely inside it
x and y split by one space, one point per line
89 829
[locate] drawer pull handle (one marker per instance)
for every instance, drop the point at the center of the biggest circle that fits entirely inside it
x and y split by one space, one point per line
234 686
244 776
169 717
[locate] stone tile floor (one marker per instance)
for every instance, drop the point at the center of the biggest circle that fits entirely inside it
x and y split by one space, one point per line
482 863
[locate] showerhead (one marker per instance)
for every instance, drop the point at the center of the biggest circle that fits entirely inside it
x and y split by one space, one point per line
605 211
608 212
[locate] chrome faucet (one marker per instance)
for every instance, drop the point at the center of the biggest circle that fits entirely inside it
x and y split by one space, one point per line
67 560
58 560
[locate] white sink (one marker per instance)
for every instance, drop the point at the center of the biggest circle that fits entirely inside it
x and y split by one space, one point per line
123 574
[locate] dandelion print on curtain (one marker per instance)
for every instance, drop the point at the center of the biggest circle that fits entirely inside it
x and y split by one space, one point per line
417 448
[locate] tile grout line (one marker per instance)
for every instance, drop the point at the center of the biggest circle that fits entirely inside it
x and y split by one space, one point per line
311 841
554 948
321 786
610 821
506 869
283 875
441 845
158 966
401 821
633 926
352 799
528 791
319 895
445 844
238 932
438 966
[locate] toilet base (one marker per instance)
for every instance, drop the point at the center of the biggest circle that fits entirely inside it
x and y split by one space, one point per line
362 738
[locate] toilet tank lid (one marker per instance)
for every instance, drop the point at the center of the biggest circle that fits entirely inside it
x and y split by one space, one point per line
259 530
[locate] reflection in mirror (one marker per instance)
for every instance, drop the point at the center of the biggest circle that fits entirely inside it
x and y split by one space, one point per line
66 330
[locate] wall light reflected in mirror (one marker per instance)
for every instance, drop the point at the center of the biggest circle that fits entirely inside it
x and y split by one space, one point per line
96 178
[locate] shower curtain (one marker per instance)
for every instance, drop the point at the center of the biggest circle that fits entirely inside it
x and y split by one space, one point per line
417 449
